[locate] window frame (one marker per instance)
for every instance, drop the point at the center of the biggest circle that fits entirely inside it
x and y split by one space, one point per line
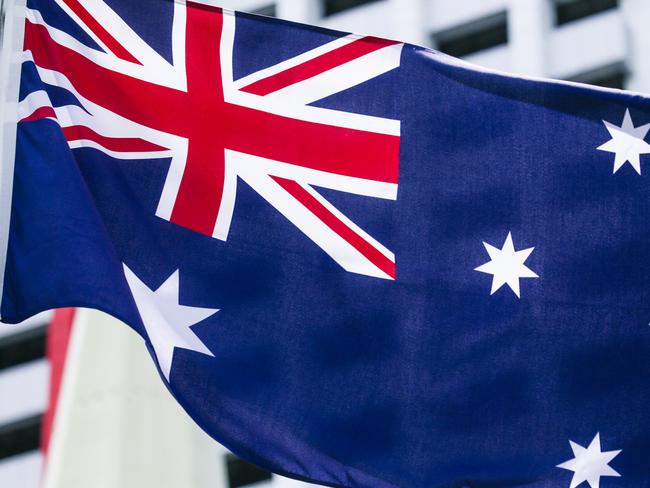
334 7
470 37
569 11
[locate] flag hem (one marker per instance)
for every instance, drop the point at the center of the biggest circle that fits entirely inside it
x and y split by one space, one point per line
10 67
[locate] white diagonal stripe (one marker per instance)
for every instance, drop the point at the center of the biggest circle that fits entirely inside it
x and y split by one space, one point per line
348 223
295 61
329 241
300 112
123 34
340 78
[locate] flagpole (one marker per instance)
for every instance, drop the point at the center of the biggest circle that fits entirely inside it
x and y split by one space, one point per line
11 38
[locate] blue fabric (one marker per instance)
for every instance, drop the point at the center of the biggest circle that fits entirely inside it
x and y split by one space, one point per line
346 380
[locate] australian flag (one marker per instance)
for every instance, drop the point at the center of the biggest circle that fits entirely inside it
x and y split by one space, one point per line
354 261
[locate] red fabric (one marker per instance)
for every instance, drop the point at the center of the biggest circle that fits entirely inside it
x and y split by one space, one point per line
40 113
58 338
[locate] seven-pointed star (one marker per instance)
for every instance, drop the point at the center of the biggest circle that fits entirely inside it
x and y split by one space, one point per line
590 464
166 320
507 265
627 142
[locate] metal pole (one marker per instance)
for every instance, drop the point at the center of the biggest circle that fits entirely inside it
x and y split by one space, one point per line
2 22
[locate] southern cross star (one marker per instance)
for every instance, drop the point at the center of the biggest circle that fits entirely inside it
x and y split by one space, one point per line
166 320
590 464
507 265
627 142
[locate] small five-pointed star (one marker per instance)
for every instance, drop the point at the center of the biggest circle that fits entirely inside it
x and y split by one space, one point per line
627 142
590 464
166 320
507 265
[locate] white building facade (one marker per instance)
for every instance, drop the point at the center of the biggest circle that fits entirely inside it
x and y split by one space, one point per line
24 377
596 41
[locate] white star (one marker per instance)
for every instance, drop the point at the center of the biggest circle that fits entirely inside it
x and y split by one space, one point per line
507 265
627 143
590 464
166 320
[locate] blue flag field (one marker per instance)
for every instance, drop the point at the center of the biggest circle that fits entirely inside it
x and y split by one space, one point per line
354 261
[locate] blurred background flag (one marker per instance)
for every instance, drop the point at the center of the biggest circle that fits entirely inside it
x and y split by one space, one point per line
354 261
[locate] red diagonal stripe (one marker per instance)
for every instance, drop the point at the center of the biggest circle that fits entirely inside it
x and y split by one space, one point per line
133 144
109 41
318 65
40 113
333 222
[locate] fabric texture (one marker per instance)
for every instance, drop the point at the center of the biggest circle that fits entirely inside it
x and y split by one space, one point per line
440 290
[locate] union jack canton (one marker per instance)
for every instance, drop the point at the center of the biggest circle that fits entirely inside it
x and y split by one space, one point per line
260 128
